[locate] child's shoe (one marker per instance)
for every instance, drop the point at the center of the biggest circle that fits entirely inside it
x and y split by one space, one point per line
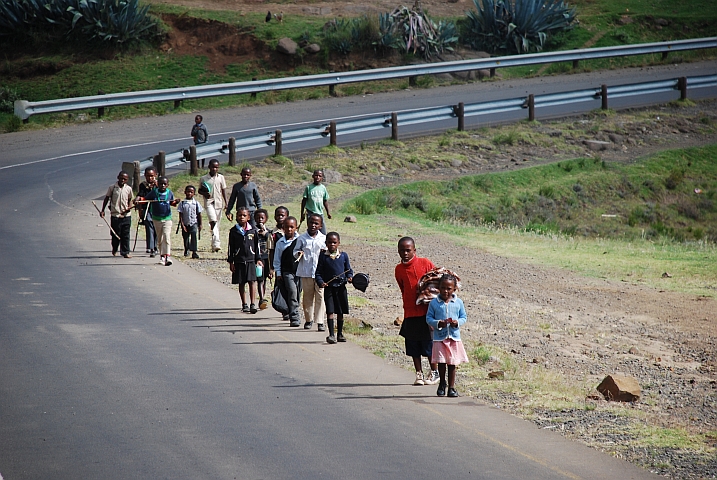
340 337
162 260
152 253
263 304
252 309
452 392
419 379
330 339
308 325
186 253
322 327
167 261
441 392
245 308
433 378
195 256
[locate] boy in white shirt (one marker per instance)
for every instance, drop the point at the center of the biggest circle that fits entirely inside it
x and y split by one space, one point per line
307 251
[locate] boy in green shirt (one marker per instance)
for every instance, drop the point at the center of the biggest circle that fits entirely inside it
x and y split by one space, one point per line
315 200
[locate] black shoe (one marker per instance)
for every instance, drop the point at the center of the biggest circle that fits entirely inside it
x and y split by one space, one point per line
186 253
245 308
195 256
340 337
330 339
253 309
322 327
295 323
452 392
152 254
308 325
441 392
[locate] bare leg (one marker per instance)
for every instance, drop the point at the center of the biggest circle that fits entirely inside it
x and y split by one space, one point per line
242 294
434 366
252 292
451 376
442 372
417 364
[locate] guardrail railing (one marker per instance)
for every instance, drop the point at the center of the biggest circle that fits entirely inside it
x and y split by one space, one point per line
25 109
380 121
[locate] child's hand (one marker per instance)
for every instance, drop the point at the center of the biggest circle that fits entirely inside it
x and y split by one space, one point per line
441 324
324 285
260 263
350 279
231 267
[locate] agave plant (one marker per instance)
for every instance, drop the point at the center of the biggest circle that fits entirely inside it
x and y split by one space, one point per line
418 34
517 26
112 21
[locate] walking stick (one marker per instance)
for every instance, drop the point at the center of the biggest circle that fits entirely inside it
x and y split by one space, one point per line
108 223
144 220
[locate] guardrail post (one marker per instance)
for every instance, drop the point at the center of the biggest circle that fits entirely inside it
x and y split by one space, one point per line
158 161
193 166
177 104
531 107
492 72
253 94
576 63
232 152
137 175
394 126
277 143
603 95
100 110
460 112
332 90
664 55
412 81
682 85
332 133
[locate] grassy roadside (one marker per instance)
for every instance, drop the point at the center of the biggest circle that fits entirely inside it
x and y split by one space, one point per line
154 69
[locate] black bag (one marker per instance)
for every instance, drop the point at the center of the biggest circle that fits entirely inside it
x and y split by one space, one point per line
360 281
278 299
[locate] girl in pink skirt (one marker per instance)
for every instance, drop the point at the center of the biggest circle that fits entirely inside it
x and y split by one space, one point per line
446 314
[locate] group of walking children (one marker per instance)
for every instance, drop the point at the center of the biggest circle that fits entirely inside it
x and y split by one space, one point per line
431 329
154 202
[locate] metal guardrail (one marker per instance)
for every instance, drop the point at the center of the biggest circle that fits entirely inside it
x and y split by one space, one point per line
25 109
364 123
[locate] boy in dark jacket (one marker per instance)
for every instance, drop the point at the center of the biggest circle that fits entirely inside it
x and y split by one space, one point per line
285 269
244 257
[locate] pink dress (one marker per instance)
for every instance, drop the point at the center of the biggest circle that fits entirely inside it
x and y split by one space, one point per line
449 351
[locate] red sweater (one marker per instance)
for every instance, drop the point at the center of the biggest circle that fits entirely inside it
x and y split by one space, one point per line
407 275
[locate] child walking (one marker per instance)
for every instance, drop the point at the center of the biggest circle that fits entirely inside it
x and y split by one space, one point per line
161 211
285 269
446 313
332 273
260 218
243 258
316 199
307 251
212 188
145 217
119 197
414 329
245 194
190 218
281 213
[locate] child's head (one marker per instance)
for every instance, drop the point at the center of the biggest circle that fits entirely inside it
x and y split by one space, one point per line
198 119
313 224
333 240
318 176
243 216
406 249
290 224
150 175
213 166
162 183
447 286
280 215
245 174
122 178
261 216
189 191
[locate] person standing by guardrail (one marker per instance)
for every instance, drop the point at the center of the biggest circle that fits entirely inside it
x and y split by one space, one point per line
199 131
212 188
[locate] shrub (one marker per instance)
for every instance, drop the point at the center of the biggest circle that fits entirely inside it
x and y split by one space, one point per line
412 31
7 99
116 22
518 26
674 179
13 124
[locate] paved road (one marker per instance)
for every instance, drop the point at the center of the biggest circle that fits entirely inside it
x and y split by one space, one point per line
114 368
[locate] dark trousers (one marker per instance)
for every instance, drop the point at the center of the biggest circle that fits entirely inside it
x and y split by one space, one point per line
150 234
293 292
190 238
122 227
